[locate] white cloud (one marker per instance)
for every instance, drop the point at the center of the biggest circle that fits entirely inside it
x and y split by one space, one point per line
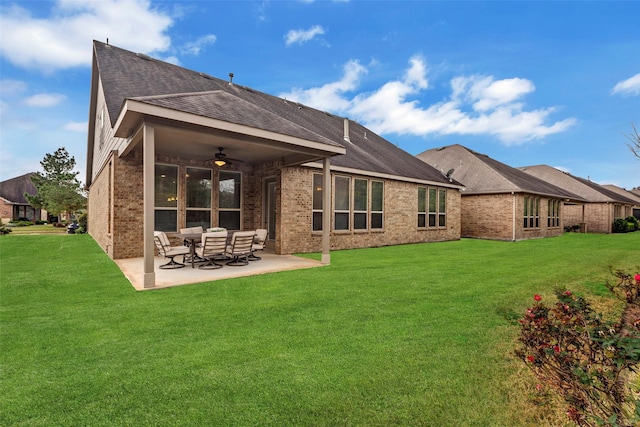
194 48
9 87
45 100
630 86
329 96
301 36
477 105
76 126
62 40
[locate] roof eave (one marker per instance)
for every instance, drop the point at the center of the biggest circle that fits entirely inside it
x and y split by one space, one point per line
133 113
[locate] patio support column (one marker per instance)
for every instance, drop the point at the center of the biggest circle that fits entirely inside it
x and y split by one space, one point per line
148 167
326 211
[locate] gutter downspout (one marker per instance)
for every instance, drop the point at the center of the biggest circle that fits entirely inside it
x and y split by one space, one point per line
513 216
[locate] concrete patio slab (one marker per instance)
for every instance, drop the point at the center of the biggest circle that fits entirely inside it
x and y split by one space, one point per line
132 268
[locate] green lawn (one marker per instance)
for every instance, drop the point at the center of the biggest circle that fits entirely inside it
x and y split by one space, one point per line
408 335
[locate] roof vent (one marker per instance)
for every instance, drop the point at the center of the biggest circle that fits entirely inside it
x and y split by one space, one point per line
206 76
346 130
230 79
144 56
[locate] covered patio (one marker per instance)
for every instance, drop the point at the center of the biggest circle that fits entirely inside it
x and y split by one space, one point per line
133 269
157 131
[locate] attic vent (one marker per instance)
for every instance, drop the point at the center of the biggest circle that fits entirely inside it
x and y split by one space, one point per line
248 89
440 149
144 56
206 76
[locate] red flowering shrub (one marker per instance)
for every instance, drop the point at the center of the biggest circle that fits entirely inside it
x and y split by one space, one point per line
587 359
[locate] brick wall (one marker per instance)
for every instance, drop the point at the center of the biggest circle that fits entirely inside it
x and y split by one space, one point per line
491 216
400 217
597 216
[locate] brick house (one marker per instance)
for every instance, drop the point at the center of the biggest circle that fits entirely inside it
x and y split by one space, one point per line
602 206
13 204
500 202
316 181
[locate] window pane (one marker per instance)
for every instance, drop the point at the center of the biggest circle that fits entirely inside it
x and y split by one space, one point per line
376 220
166 220
342 221
317 221
198 188
432 220
166 186
360 195
422 220
360 221
422 199
196 218
377 196
342 193
229 220
229 190
442 220
442 201
432 200
317 191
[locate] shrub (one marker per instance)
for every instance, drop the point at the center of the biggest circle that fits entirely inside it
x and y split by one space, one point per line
4 230
632 223
620 225
585 358
21 223
82 222
41 222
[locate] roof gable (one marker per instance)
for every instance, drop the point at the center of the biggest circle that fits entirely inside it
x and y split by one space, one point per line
13 189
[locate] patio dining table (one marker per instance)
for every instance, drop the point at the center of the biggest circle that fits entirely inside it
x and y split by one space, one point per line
192 238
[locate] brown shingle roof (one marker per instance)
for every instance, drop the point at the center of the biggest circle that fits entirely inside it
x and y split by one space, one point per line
126 75
481 174
13 189
588 190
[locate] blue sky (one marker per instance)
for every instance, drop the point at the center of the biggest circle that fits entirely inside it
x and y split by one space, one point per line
526 83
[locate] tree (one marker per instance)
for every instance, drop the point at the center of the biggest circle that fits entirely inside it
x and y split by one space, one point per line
58 188
635 142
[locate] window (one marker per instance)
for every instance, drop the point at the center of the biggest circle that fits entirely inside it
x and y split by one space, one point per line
342 203
432 207
360 199
433 202
229 200
377 203
166 198
617 211
442 208
531 212
422 207
317 202
365 211
198 198
553 214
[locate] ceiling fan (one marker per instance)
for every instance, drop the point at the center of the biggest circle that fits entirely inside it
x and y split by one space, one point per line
221 158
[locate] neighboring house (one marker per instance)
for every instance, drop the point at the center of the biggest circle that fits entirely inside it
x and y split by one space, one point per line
316 181
13 204
602 205
498 201
635 209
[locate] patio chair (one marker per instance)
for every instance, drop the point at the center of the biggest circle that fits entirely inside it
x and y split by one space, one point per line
214 244
258 244
240 247
166 250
